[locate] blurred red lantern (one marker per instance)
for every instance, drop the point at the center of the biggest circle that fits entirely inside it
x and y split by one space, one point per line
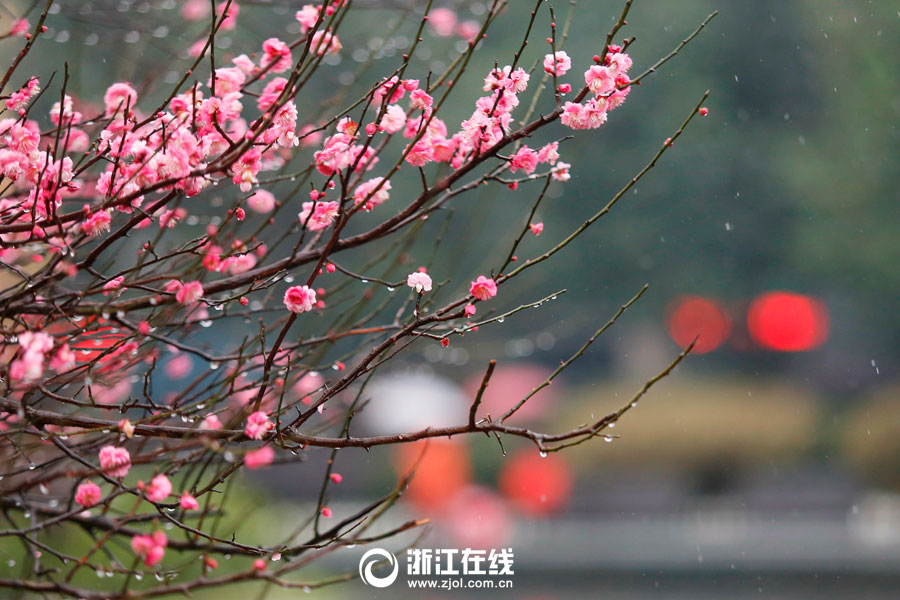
442 472
536 485
690 316
97 337
788 322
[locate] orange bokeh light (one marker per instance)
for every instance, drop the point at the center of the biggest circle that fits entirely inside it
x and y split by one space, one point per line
443 471
788 322
688 316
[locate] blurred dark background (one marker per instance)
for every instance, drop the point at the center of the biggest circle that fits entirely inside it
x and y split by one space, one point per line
765 467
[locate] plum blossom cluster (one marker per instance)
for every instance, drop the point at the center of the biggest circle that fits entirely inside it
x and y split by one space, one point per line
608 83
171 149
150 547
34 348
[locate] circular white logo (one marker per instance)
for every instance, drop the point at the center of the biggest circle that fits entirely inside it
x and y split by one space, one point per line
368 561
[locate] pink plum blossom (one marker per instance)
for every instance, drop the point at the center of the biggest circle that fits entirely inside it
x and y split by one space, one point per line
88 494
158 489
420 282
188 502
258 425
325 42
525 159
366 192
307 17
300 298
115 461
483 288
151 548
97 223
189 293
277 52
558 63
560 171
318 215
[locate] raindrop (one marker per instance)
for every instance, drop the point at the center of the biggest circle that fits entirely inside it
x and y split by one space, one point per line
132 37
501 319
543 455
365 280
206 323
213 366
608 438
727 226
289 279
91 39
390 289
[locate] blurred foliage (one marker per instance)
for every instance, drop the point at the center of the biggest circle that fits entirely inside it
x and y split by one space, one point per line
870 439
699 422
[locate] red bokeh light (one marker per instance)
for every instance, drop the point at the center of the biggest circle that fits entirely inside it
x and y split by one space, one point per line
511 383
97 336
477 517
788 322
688 316
536 485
